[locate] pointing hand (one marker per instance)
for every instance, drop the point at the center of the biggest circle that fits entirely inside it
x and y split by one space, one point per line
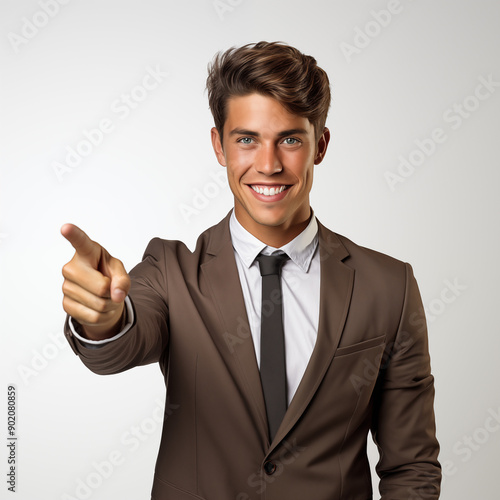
95 286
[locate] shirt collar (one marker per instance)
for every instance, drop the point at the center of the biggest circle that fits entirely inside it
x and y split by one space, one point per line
301 249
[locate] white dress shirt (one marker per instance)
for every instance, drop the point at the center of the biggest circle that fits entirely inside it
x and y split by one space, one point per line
300 282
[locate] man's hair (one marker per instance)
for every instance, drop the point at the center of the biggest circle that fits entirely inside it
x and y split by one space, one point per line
272 69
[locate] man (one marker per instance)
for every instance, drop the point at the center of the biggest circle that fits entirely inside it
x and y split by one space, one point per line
281 342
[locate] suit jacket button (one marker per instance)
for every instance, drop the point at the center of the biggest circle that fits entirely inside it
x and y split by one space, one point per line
269 468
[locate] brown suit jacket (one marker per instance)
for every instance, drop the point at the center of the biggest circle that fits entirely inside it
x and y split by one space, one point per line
370 369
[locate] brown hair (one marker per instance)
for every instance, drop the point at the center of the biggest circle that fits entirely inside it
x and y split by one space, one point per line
274 69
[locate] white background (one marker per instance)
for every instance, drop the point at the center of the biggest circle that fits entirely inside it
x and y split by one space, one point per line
395 87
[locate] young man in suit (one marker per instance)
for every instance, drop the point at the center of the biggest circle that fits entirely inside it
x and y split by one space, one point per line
282 343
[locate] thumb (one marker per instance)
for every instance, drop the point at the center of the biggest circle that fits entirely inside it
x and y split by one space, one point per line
120 281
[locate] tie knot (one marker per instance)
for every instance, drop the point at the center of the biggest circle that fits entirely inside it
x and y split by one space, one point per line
271 264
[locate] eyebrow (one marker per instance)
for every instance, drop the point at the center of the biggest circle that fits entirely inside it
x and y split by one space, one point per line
284 133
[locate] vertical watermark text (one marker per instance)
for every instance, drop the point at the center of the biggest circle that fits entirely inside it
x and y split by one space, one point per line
11 438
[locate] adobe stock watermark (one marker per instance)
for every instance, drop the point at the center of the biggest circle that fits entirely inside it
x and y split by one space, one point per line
243 330
427 490
419 320
373 367
470 444
222 7
41 358
449 293
131 439
454 117
364 36
241 334
122 107
30 27
202 197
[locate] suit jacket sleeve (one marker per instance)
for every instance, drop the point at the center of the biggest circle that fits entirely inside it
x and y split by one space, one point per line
147 340
403 424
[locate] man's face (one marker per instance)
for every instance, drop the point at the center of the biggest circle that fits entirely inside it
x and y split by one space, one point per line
270 155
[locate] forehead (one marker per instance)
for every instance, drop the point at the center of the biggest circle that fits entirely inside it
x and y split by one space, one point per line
257 112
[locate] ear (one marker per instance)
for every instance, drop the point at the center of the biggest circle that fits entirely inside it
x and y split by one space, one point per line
322 146
217 145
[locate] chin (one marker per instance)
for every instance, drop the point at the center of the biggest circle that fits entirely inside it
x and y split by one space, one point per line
268 220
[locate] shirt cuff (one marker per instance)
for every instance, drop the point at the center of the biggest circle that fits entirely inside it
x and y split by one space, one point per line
95 344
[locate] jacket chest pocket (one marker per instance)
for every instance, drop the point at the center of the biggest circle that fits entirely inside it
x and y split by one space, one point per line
358 365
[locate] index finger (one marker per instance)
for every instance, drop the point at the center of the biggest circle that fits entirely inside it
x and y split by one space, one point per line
83 245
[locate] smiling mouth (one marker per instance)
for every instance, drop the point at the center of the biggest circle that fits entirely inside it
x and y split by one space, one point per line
268 190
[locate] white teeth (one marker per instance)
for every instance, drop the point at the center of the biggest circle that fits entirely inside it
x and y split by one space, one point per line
268 191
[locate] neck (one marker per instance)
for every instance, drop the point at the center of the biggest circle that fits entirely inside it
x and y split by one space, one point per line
277 235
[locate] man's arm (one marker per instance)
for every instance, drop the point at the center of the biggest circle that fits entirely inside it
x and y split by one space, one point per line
403 425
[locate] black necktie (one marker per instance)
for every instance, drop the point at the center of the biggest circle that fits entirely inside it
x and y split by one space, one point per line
272 342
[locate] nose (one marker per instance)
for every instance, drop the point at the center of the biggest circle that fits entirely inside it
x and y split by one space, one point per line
267 161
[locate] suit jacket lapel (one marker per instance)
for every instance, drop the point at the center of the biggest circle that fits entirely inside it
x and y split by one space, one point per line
235 343
335 296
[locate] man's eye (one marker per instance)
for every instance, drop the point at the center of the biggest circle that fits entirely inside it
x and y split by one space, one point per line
291 141
245 140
